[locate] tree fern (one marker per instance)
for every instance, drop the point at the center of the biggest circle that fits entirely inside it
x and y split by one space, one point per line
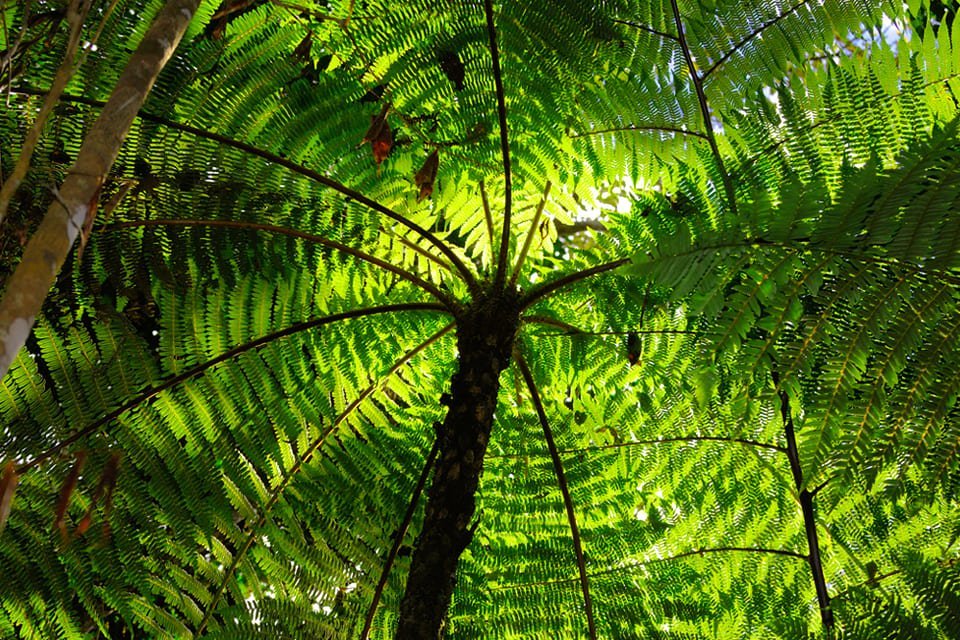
297 385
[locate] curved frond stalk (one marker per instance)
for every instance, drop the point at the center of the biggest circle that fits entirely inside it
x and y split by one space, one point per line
75 203
548 288
697 80
757 32
488 218
273 158
648 29
636 564
298 465
534 224
303 235
564 490
398 541
641 128
502 257
805 497
224 357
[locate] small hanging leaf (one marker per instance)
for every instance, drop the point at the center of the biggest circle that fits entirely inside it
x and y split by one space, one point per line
379 136
634 348
426 176
8 486
452 67
302 52
104 488
66 491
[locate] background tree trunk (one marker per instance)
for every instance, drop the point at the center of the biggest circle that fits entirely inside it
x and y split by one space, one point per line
78 196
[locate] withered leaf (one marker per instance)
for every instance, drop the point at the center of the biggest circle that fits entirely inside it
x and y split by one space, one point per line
379 136
66 491
452 67
302 52
104 488
427 174
8 486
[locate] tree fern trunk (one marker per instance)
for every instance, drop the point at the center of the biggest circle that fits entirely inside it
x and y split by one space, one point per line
485 339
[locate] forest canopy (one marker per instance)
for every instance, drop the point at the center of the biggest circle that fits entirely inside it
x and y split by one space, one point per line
475 319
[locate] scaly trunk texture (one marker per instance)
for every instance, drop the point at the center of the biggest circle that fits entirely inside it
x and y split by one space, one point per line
485 339
79 195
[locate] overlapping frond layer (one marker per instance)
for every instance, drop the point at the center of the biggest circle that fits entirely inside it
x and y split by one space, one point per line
251 355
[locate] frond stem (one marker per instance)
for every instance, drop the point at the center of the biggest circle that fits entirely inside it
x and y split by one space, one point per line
504 146
223 357
642 563
806 506
548 288
488 217
648 29
529 239
652 441
294 233
298 465
273 158
564 490
398 541
750 36
704 109
662 128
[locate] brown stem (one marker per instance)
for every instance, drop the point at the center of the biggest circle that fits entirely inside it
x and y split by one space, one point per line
806 507
223 357
565 491
549 288
485 337
398 540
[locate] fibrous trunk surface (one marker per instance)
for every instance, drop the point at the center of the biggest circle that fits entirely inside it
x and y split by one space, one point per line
485 338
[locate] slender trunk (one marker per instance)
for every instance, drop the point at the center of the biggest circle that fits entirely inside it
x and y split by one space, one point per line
485 340
77 198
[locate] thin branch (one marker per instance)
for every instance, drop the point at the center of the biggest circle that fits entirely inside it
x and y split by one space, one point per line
443 247
564 490
401 531
636 564
298 465
652 441
753 34
704 109
806 506
631 127
643 27
489 220
269 228
569 329
223 357
504 147
420 250
548 288
533 229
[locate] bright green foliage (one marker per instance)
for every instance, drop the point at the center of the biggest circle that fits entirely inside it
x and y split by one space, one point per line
270 445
